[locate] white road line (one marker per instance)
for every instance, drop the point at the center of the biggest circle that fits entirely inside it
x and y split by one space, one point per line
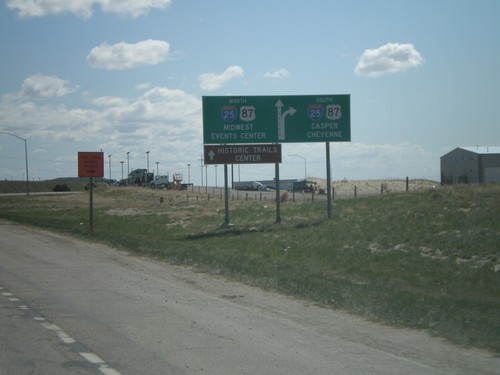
65 338
92 358
96 360
51 326
59 332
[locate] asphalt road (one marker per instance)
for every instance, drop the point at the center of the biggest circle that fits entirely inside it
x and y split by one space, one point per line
69 307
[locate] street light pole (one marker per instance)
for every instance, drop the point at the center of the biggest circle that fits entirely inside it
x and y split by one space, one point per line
25 157
189 173
128 163
147 155
122 167
157 168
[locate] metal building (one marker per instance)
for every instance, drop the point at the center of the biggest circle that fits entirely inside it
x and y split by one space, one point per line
469 165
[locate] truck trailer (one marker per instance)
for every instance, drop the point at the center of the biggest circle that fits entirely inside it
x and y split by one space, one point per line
139 177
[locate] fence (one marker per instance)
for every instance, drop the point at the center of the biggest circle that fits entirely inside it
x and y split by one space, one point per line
341 190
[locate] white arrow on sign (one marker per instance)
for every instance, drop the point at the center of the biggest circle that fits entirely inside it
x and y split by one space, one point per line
211 155
281 118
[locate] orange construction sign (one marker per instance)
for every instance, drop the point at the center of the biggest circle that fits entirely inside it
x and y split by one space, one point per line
90 164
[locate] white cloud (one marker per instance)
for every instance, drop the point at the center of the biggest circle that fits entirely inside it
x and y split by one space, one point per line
135 8
156 106
109 101
277 74
214 81
159 112
390 58
143 86
159 115
84 8
40 86
127 56
50 122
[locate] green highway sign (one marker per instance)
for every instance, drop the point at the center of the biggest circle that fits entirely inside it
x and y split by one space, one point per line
276 119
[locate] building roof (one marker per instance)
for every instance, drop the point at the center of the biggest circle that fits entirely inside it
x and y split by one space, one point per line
483 149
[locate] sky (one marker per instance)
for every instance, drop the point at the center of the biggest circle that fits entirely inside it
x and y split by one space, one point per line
128 76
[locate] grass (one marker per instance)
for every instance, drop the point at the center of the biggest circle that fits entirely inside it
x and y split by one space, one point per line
74 184
427 260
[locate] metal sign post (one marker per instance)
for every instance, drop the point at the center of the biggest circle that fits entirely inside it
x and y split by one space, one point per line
278 198
226 197
328 182
91 164
91 204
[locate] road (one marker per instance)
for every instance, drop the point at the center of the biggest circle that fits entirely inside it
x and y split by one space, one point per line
70 307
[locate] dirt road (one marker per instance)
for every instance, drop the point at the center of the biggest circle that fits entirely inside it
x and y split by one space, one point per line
71 307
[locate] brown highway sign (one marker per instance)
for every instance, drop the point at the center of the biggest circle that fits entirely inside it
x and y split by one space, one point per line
242 153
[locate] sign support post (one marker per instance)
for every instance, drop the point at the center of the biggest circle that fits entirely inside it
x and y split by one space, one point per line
278 199
226 197
91 204
328 181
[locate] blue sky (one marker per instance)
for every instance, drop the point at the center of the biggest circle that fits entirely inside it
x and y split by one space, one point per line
128 76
